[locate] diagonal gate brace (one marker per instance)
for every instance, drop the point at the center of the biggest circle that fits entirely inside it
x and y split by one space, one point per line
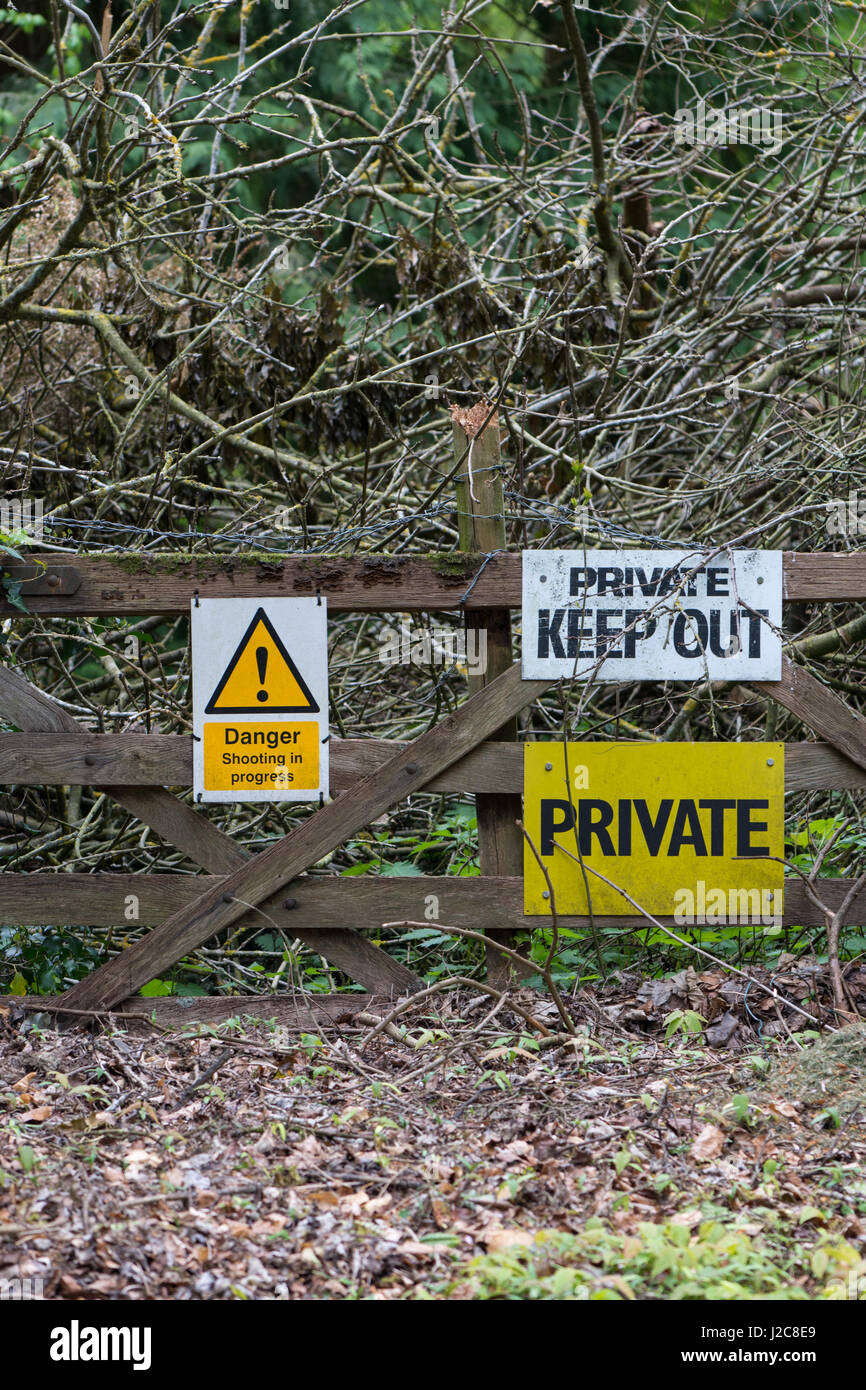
206 845
275 867
819 709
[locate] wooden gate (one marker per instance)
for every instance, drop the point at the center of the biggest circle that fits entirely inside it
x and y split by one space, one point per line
461 753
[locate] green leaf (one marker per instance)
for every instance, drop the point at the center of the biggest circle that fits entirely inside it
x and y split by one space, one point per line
155 989
12 590
25 22
810 1214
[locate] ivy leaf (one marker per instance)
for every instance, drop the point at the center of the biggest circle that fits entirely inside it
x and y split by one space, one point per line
12 590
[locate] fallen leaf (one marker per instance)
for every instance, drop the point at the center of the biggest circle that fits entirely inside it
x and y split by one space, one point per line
720 1033
440 1213
137 1161
806 1214
506 1240
688 1218
35 1117
788 1108
515 1152
709 1144
375 1204
104 1284
496 1053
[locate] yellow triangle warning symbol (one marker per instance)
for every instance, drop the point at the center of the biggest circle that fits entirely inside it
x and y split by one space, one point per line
261 677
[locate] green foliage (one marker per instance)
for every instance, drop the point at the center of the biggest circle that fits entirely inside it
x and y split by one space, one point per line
27 1158
719 1260
42 960
808 840
450 847
77 52
25 22
369 79
685 1021
155 989
10 544
741 1108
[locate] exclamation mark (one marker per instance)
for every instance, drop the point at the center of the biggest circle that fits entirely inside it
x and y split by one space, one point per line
262 663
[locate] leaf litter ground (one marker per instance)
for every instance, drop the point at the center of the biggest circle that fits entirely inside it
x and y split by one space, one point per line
458 1154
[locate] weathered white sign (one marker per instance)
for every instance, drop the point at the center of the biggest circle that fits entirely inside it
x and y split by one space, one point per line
622 615
260 699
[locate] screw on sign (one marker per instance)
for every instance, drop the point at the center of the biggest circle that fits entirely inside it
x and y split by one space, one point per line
260 699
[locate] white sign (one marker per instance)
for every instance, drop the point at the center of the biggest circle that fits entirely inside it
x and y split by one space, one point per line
260 699
622 615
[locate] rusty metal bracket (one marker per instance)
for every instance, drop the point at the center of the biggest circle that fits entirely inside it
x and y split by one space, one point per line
44 579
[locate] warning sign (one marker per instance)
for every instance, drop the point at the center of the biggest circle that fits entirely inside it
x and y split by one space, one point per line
266 665
692 831
612 615
278 757
261 675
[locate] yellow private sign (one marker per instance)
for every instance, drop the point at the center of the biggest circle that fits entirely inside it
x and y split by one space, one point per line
690 830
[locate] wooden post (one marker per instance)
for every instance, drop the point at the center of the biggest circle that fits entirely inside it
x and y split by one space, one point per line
481 516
